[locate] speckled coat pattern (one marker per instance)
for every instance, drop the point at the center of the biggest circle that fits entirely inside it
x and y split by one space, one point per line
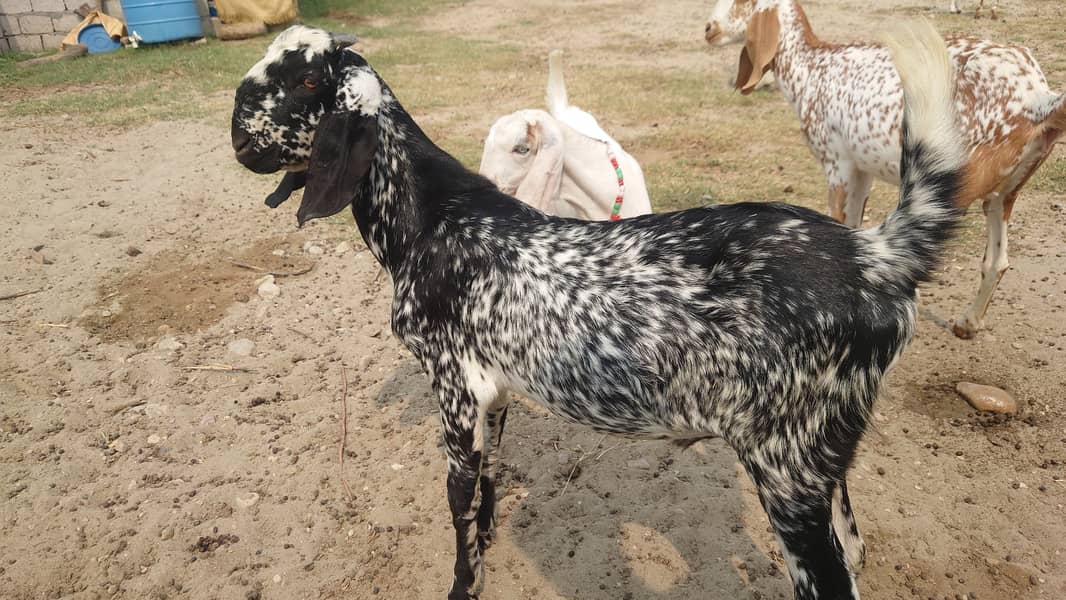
768 325
850 105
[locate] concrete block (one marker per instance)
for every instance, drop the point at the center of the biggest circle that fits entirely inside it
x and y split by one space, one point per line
26 43
65 23
35 24
9 24
51 41
14 7
48 5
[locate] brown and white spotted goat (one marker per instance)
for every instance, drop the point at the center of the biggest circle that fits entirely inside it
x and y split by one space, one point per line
850 104
770 326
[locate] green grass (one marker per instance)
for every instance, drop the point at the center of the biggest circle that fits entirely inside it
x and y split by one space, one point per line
159 81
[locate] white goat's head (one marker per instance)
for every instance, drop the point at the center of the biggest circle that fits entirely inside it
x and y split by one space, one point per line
729 22
310 105
523 156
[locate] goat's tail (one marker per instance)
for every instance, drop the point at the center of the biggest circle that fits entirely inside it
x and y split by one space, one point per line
933 168
1056 120
557 100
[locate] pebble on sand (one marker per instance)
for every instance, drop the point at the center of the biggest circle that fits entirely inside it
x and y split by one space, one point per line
987 397
241 347
267 288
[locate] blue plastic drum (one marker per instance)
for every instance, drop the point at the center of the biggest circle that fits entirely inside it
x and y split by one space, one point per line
162 20
95 38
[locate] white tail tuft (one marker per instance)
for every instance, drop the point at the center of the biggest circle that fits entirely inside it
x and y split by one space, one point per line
556 99
926 72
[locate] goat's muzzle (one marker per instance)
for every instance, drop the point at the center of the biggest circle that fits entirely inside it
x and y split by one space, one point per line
711 33
253 158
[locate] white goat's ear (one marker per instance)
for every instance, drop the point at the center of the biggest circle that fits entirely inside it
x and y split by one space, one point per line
341 155
760 49
540 187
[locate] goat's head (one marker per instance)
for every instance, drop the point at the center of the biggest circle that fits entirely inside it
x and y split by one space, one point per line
728 22
523 156
310 105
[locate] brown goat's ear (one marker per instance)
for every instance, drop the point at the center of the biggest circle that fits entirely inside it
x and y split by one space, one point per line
760 48
341 155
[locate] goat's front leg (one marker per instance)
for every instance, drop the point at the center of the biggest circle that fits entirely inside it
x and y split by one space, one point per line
486 516
463 421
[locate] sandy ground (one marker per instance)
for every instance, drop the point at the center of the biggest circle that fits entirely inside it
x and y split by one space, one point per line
129 471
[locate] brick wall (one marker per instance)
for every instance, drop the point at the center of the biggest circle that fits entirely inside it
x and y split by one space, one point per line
36 25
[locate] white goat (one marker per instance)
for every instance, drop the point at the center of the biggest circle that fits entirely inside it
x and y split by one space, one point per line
563 163
850 105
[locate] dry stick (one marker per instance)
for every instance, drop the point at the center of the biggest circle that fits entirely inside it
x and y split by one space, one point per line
574 468
20 294
344 432
124 406
218 368
274 273
61 325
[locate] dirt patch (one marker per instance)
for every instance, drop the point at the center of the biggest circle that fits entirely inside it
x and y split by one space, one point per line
174 294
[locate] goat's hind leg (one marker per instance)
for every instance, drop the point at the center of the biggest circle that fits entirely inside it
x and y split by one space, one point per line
801 514
847 531
486 516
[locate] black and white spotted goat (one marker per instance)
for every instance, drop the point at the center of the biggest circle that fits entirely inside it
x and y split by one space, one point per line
768 325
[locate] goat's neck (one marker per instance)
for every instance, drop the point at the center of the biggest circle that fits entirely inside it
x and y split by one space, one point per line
588 168
796 49
409 179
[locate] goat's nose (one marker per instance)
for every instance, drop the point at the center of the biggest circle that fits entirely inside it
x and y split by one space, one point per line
711 32
241 139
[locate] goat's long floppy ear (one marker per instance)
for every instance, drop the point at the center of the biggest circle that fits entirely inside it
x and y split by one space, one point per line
540 188
343 40
341 154
760 48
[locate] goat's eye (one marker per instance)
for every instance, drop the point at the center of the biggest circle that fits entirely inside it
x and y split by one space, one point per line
310 84
521 149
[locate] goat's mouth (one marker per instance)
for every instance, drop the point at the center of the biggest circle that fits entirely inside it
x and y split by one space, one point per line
262 161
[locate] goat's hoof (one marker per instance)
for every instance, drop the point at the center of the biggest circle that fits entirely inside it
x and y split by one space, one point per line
461 595
964 329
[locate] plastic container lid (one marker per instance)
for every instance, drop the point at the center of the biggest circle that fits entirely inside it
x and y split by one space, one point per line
95 38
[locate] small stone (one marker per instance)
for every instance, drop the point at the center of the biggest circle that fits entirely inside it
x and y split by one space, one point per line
41 258
278 252
133 251
986 397
117 445
1016 345
342 248
640 463
241 347
168 343
267 288
313 249
396 466
154 440
564 457
789 189
277 579
247 500
166 533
